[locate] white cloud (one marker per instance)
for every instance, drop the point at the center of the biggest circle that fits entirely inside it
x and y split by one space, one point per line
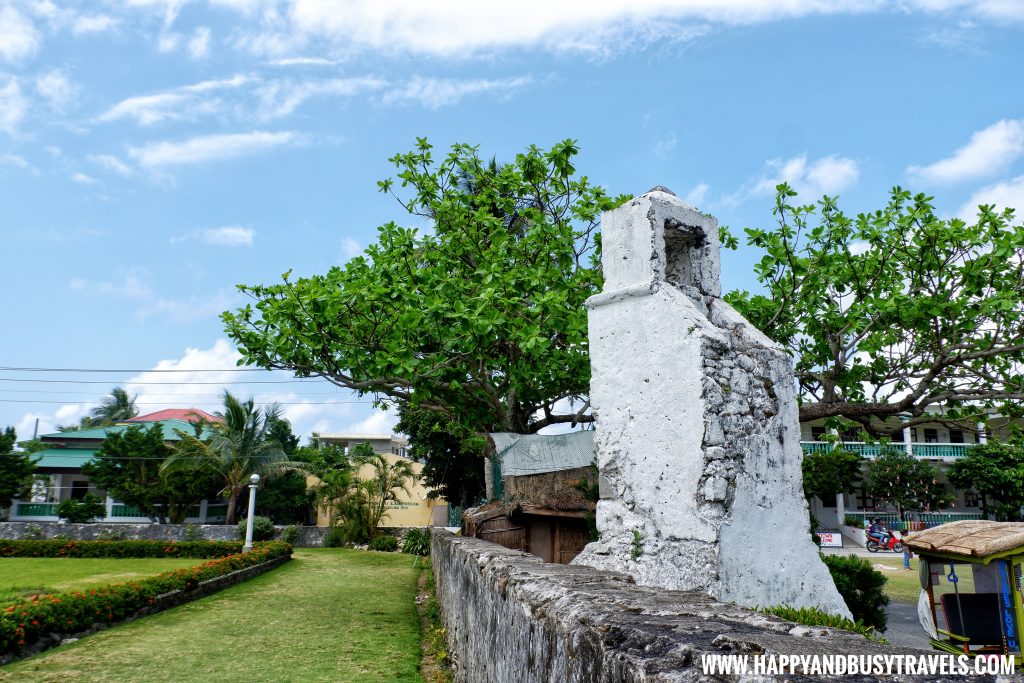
14 160
112 163
55 88
664 147
988 152
130 287
18 36
306 405
350 249
83 179
280 98
302 61
93 23
209 148
1008 193
434 93
828 175
189 309
199 45
228 236
184 103
695 197
13 104
379 422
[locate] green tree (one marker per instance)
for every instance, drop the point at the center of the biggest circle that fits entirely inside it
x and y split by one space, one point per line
239 446
828 473
284 499
279 429
116 407
387 479
84 511
891 312
480 319
128 465
996 472
905 482
451 455
15 469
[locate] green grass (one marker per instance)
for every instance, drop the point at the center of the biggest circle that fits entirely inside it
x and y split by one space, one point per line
905 586
27 576
328 615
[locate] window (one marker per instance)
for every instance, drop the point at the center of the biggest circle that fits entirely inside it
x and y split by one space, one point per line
956 436
970 498
931 435
817 433
79 489
865 501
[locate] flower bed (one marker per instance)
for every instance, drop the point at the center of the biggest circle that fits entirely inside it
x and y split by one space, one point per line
25 622
118 549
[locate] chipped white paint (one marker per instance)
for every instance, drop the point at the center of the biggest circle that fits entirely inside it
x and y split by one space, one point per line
697 431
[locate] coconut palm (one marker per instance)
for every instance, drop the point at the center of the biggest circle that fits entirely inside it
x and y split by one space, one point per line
234 448
117 407
386 480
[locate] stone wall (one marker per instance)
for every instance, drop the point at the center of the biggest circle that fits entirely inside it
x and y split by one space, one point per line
309 536
511 618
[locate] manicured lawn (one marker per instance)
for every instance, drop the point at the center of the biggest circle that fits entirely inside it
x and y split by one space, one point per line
328 615
904 586
25 576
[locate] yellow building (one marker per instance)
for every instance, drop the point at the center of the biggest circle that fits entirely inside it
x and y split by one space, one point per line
412 509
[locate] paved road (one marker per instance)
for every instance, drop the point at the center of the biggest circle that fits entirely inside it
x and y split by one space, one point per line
904 630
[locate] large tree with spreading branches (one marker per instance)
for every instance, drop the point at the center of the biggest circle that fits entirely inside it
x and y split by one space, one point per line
891 312
479 317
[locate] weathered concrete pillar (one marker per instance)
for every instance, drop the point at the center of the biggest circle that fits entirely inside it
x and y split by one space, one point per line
698 436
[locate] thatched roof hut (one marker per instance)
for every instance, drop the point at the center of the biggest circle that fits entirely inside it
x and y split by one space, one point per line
969 539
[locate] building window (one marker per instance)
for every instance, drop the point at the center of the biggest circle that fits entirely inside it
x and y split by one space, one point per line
817 433
931 435
865 501
970 498
79 489
956 436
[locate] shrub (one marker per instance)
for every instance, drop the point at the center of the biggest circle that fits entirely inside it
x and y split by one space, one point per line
384 543
26 621
334 538
262 529
416 542
861 586
809 616
290 533
191 532
854 521
33 532
84 511
55 547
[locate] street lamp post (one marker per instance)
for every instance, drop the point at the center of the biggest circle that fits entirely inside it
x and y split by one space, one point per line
253 481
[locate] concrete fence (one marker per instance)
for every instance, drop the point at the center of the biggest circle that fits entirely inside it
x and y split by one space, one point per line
511 618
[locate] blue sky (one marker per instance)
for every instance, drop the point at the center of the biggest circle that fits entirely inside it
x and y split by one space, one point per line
154 153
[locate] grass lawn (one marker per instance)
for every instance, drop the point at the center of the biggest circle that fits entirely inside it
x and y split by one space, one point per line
904 586
328 615
26 576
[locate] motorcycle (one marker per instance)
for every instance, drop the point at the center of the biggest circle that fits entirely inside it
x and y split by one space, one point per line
891 541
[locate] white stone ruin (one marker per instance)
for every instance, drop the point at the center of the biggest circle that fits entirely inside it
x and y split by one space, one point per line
698 438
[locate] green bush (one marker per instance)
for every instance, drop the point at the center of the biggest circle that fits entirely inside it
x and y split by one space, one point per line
854 521
25 621
335 538
809 616
192 532
290 533
384 543
262 529
54 547
416 542
84 511
861 586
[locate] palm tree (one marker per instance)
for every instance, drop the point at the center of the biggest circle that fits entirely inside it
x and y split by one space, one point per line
236 447
386 480
117 407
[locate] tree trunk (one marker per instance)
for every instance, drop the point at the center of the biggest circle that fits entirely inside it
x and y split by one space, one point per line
232 502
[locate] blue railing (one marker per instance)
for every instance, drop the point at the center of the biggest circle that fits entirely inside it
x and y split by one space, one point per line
913 521
871 450
36 509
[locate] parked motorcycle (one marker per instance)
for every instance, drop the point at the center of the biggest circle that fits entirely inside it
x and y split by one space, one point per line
891 541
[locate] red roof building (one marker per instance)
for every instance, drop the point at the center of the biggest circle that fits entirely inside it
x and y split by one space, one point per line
186 414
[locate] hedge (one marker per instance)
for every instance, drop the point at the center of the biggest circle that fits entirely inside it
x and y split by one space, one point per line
119 549
27 621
